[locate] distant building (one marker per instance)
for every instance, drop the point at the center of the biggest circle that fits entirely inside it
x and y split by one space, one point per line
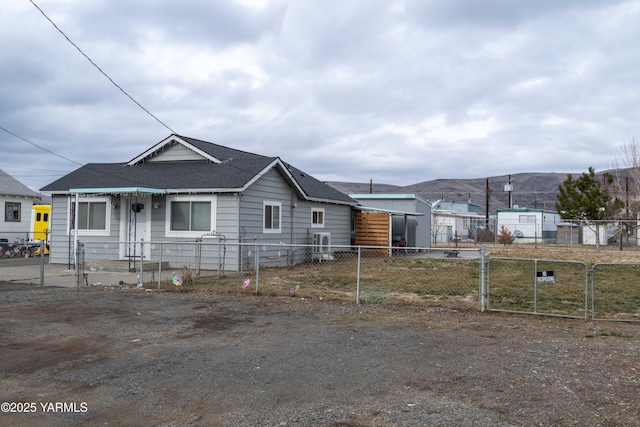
410 216
530 225
455 221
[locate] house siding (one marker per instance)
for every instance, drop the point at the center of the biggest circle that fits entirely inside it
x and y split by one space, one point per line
176 153
60 241
12 230
295 227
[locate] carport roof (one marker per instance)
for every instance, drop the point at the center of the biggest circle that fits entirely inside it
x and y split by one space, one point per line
389 211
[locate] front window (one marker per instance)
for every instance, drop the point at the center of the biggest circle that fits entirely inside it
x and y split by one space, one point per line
190 216
12 212
94 216
272 217
317 218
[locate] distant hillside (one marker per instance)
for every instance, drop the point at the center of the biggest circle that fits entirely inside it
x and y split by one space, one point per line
530 190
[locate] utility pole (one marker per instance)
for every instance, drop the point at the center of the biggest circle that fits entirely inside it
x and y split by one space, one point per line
487 205
508 188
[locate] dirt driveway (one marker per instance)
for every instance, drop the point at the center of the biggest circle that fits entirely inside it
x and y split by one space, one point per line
95 356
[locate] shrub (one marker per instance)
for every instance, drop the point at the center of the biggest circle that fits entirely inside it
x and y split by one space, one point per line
505 236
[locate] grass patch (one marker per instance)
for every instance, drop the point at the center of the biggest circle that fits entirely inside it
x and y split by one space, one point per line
432 281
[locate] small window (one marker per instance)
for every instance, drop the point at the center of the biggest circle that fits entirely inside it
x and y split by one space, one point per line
527 219
46 217
39 217
272 217
317 218
12 212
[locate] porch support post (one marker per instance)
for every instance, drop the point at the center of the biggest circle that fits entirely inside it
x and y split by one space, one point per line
75 233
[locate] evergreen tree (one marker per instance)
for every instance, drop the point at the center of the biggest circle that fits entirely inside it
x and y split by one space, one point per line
588 199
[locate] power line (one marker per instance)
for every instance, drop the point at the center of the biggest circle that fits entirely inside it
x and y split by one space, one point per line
99 69
40 147
66 158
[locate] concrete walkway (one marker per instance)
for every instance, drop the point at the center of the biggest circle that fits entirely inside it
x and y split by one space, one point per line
60 275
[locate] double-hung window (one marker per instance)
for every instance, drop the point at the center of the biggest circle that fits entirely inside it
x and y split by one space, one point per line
317 218
272 217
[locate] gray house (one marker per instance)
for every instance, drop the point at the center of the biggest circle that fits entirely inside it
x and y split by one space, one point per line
183 189
16 200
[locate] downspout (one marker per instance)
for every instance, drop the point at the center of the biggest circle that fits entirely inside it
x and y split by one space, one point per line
293 206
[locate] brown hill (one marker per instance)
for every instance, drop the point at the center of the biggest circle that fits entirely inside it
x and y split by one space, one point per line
530 190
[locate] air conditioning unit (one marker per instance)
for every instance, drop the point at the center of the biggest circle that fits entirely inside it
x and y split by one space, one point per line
321 250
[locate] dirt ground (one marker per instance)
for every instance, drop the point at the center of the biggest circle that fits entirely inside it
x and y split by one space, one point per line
125 357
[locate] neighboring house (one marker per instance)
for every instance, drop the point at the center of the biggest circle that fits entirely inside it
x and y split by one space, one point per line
16 200
530 225
183 189
455 221
410 217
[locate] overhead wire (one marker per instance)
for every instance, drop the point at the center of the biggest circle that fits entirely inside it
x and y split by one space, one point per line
110 79
65 158
100 69
40 147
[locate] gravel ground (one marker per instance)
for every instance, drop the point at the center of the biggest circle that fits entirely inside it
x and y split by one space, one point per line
123 357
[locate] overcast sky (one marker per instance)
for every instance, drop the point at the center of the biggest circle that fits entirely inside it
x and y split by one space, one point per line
398 92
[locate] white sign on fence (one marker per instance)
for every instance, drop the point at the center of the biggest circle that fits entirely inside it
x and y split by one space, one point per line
545 276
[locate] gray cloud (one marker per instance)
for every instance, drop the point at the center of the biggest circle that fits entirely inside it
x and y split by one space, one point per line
399 92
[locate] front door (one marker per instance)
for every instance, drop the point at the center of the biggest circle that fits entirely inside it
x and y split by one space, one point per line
136 216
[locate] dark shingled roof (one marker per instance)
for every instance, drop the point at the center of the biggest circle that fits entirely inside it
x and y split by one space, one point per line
236 171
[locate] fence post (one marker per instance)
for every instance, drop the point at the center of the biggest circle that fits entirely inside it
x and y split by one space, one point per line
358 277
257 264
79 262
42 246
482 274
141 275
535 286
160 267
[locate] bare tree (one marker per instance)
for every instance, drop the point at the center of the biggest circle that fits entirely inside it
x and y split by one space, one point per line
627 172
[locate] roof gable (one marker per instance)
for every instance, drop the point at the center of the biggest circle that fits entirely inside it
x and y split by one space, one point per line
173 148
181 148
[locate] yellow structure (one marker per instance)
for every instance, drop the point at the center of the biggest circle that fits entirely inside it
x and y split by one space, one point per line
40 222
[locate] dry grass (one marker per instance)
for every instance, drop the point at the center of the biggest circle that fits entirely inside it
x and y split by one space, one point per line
455 283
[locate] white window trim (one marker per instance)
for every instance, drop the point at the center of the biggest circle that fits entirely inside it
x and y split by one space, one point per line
314 225
107 219
265 230
181 233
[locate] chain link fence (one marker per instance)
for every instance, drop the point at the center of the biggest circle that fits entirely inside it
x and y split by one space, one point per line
605 291
367 275
444 276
